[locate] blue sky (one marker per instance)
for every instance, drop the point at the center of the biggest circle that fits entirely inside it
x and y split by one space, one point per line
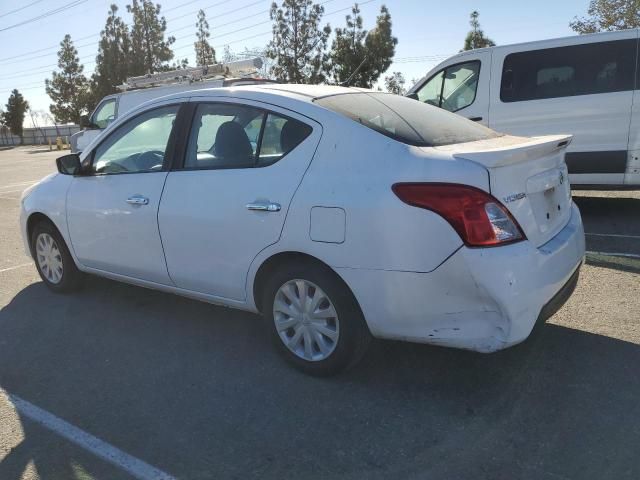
427 31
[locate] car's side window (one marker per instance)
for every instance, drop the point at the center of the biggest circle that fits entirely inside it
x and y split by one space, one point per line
137 146
281 135
453 88
430 91
460 86
221 136
225 135
105 114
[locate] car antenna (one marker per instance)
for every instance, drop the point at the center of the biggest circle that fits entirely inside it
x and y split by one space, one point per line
347 82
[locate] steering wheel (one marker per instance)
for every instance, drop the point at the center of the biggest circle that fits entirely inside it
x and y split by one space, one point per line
149 160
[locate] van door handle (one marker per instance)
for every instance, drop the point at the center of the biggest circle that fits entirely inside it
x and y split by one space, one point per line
264 206
138 200
475 119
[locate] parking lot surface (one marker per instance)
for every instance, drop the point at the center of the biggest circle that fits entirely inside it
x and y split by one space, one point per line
195 391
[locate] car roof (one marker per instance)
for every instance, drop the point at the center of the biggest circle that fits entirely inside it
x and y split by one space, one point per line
301 92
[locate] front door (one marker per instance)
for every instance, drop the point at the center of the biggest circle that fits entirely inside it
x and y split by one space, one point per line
112 210
229 201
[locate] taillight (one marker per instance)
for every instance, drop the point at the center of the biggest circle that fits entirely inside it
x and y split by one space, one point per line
479 219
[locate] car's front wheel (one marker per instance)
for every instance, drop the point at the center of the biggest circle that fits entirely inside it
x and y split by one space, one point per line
314 320
53 260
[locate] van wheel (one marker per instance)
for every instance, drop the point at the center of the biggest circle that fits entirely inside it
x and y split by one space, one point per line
53 260
314 320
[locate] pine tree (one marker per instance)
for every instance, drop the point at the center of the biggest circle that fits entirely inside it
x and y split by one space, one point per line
150 52
68 88
371 51
15 110
394 83
348 50
608 15
299 42
205 54
112 62
476 37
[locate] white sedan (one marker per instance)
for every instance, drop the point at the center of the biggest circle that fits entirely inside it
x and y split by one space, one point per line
338 213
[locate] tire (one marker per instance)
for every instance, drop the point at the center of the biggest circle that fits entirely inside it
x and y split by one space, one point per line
53 261
344 337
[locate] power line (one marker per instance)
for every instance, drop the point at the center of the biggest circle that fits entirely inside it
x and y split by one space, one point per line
46 14
46 68
21 8
53 47
21 56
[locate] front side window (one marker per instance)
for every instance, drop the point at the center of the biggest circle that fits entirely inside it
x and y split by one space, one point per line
453 88
137 146
568 71
239 136
105 114
430 92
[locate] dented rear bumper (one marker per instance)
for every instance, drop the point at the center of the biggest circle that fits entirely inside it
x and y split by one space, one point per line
481 299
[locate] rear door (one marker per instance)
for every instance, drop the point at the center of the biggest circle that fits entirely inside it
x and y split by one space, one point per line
582 87
228 201
461 86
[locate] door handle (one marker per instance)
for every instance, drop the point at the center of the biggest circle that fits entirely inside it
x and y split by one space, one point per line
475 119
138 200
264 206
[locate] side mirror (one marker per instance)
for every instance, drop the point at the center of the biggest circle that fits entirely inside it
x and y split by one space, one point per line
85 122
69 164
413 96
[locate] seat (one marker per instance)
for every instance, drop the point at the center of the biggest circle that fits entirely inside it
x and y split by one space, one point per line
292 134
232 145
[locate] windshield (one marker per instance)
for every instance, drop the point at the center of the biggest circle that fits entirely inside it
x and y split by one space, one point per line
406 120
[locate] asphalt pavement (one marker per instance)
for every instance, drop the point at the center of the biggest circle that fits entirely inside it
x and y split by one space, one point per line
195 391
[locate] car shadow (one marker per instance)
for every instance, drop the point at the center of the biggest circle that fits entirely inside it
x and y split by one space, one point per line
197 391
614 214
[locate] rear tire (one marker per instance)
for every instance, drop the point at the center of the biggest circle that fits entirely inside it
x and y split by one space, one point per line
314 320
53 261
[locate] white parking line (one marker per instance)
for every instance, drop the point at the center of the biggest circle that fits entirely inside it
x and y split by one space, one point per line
614 254
615 235
109 453
15 267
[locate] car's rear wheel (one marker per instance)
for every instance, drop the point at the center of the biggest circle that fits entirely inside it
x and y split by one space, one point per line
53 260
314 320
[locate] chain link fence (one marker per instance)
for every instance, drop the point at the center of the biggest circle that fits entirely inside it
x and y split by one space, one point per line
39 136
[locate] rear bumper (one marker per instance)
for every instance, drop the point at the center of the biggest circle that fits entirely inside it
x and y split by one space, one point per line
479 299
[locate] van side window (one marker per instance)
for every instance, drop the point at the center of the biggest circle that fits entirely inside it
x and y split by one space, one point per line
453 88
585 69
105 113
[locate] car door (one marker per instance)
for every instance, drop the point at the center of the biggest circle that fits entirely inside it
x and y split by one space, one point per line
583 87
461 87
112 209
228 201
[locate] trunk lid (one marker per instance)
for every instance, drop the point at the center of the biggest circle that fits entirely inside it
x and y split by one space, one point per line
529 176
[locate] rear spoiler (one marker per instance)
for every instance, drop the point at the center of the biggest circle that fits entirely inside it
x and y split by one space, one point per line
512 151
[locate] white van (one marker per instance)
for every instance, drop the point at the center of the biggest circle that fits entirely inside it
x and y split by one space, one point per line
138 90
587 85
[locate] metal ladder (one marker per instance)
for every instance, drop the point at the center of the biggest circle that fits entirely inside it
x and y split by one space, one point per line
239 68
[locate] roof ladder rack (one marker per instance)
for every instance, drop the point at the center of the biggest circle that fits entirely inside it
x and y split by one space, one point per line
239 68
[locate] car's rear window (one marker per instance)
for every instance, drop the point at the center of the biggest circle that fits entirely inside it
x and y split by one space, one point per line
406 120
